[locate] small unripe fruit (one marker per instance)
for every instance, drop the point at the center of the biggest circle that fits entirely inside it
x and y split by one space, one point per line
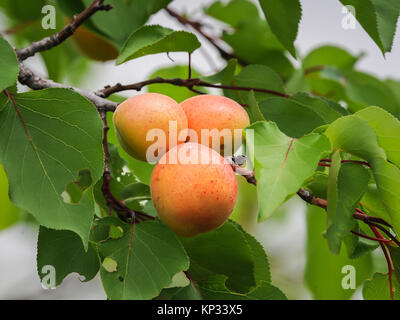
216 112
192 196
137 116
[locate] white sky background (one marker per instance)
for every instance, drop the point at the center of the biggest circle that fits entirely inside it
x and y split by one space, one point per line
284 240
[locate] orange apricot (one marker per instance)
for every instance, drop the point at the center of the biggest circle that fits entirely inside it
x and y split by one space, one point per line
194 189
142 120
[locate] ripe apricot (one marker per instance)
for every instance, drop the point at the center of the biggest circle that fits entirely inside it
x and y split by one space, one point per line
93 46
216 113
194 189
135 118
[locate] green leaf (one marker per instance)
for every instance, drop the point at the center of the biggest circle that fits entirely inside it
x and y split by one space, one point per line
282 164
150 209
378 18
148 256
234 12
107 228
394 87
324 85
254 109
177 93
60 135
21 10
222 251
121 177
336 106
364 90
320 106
318 184
378 288
136 191
354 135
283 17
64 251
332 190
351 184
366 15
297 83
156 5
261 263
323 271
156 39
118 24
395 254
292 118
387 177
329 56
226 73
387 129
214 289
387 12
8 65
372 203
253 42
356 246
256 76
180 293
9 213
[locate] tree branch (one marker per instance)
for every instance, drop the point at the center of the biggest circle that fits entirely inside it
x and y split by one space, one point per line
197 26
29 78
67 31
246 173
323 203
188 83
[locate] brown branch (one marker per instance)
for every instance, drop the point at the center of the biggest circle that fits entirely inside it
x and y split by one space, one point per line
309 198
198 27
57 38
246 173
364 163
370 238
29 78
323 203
188 83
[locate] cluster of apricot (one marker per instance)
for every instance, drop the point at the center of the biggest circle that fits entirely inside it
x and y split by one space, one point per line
193 187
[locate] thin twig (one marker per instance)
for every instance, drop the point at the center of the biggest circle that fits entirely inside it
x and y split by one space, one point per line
189 65
188 83
370 238
384 248
57 38
246 173
198 27
364 163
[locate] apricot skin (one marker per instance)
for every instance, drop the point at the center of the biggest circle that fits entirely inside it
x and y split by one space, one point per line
214 112
137 115
193 198
94 46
